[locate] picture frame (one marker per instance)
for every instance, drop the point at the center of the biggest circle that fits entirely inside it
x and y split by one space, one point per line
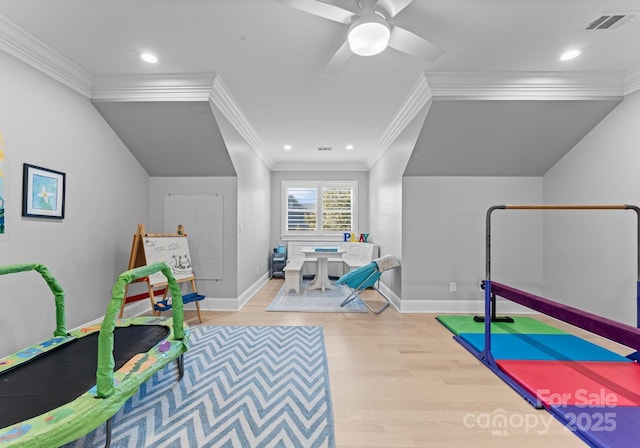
43 192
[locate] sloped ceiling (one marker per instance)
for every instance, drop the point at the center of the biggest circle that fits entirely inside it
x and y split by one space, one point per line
501 138
173 139
497 85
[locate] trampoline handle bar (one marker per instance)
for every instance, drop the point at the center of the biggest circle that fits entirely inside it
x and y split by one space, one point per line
106 363
54 286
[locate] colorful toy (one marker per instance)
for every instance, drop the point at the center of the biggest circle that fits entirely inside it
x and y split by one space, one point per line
61 389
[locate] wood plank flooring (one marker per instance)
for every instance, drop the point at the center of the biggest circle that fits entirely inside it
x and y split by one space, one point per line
400 380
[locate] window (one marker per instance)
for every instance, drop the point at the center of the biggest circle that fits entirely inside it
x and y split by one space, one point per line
319 208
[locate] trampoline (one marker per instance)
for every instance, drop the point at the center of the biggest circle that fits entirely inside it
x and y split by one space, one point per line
63 388
590 389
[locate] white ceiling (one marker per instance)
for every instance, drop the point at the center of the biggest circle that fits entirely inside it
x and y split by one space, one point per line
264 59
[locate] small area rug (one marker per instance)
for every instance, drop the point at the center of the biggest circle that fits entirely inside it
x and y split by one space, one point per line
316 301
250 386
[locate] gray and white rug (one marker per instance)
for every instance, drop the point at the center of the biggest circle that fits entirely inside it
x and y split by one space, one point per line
316 301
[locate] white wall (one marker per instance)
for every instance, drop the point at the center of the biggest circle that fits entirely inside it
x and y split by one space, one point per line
590 256
46 124
253 208
385 192
254 211
443 235
227 188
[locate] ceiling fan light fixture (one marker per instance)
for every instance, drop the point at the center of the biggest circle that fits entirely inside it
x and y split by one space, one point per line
369 35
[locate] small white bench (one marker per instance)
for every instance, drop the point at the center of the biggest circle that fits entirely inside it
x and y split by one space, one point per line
355 255
292 275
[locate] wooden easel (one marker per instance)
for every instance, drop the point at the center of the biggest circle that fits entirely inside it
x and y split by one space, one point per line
139 258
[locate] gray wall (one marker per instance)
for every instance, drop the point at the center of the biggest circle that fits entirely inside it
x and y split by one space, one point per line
47 124
228 189
590 256
443 237
385 192
276 197
253 207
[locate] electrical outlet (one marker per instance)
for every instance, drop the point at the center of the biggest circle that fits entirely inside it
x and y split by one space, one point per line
257 270
453 286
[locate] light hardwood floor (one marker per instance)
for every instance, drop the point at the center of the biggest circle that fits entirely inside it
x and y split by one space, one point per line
400 380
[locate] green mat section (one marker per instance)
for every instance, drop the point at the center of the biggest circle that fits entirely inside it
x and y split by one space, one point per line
458 324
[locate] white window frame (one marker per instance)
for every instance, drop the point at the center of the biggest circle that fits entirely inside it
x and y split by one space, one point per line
318 185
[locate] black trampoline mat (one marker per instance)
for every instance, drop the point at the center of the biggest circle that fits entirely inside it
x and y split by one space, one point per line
63 374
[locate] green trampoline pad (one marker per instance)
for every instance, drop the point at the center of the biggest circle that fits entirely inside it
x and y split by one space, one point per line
458 324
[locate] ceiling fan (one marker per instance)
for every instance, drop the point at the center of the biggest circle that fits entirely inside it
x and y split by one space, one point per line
369 30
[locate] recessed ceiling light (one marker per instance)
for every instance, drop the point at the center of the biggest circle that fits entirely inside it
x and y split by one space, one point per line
288 147
349 147
571 54
149 57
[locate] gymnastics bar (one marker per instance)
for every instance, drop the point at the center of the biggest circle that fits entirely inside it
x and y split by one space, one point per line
486 355
607 328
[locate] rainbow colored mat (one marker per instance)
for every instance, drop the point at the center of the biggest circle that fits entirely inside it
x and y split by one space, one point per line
594 391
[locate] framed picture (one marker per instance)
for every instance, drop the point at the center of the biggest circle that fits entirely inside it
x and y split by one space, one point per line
42 192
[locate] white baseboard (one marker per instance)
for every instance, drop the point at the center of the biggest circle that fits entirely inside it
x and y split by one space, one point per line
253 289
403 306
459 306
132 310
233 304
208 304
393 298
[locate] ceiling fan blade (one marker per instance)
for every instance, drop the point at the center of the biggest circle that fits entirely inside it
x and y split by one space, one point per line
414 45
393 7
338 59
321 9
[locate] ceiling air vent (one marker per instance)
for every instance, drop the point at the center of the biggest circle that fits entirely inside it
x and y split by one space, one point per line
324 148
610 21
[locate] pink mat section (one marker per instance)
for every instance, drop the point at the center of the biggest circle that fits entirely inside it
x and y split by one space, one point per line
580 383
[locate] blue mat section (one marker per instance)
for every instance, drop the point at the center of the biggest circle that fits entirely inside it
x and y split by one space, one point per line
542 347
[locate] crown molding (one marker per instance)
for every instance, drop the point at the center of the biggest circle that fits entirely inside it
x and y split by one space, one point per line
526 85
221 98
179 87
23 46
413 103
632 80
153 87
320 166
419 95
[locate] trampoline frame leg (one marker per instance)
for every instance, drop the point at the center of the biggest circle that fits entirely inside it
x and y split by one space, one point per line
180 361
107 442
107 429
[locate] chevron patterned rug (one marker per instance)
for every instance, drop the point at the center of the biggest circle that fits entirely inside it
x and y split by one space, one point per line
243 387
